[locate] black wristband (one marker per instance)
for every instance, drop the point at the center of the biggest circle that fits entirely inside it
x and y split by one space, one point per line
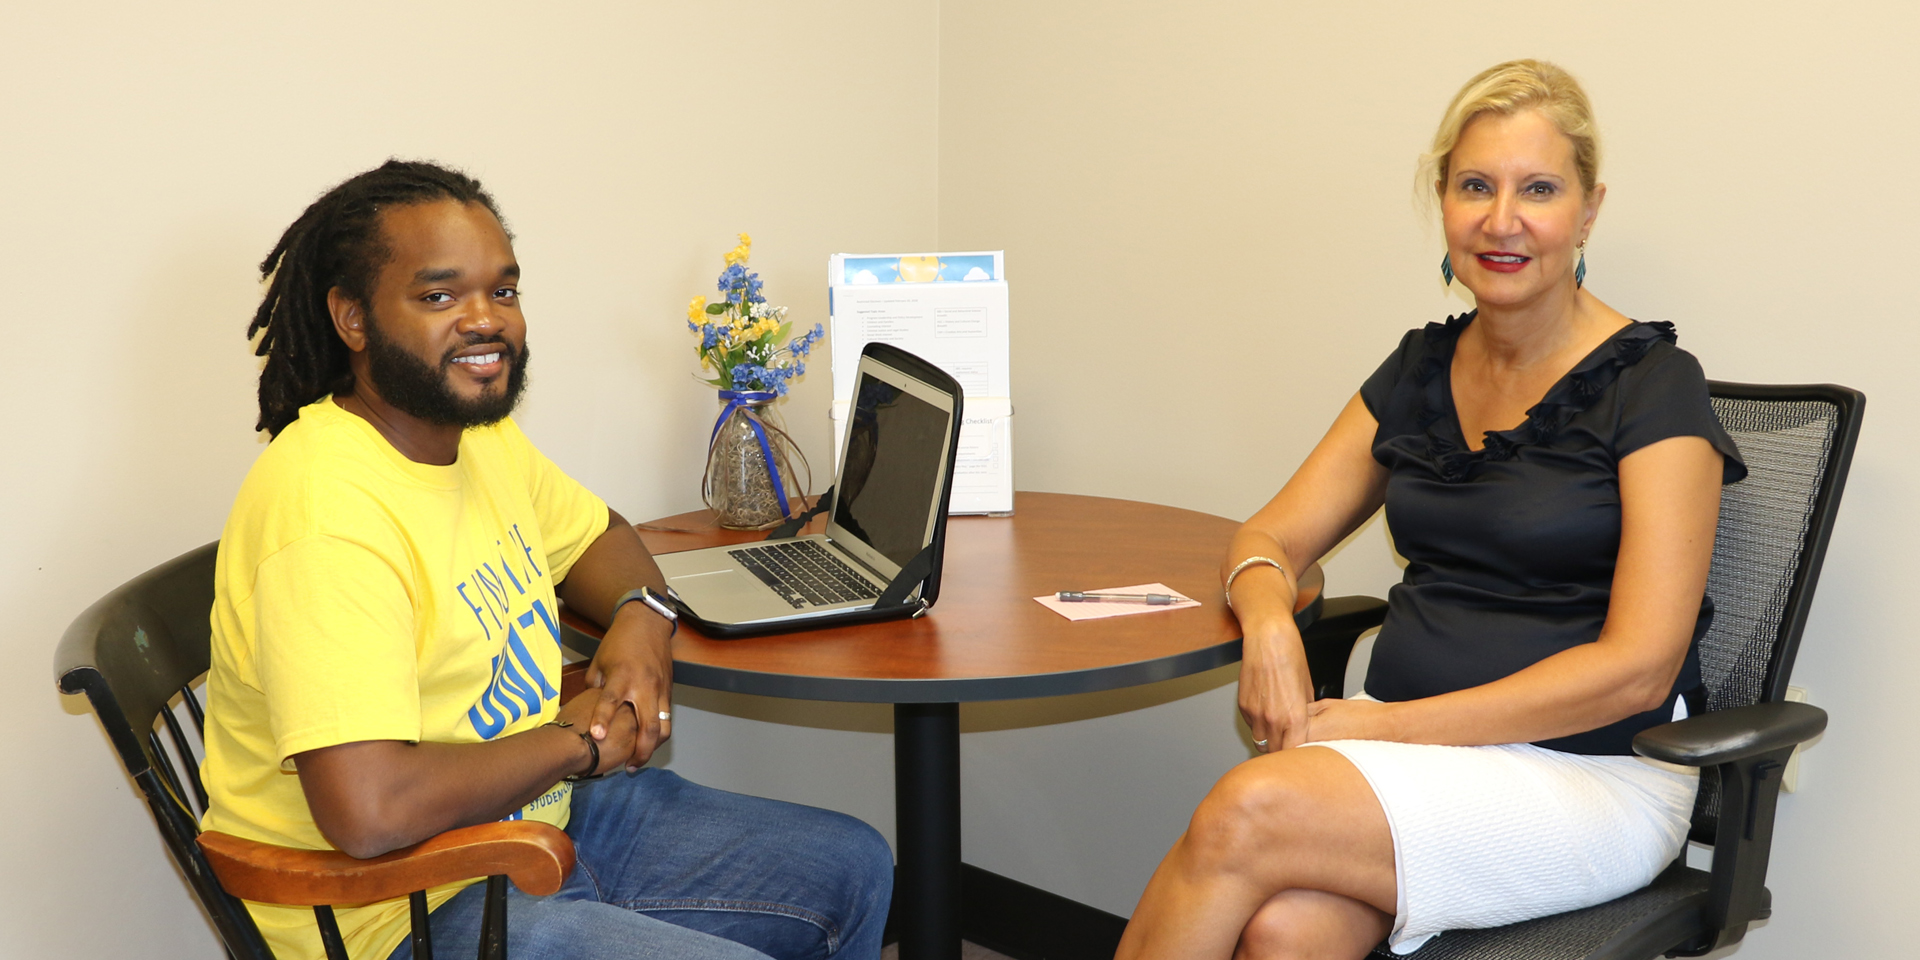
593 750
652 601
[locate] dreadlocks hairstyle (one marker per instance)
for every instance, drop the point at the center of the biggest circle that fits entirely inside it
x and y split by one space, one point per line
336 243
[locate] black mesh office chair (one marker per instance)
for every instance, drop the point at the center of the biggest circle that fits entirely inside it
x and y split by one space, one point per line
1797 441
136 653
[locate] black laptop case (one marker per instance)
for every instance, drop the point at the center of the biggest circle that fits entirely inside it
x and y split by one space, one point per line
896 601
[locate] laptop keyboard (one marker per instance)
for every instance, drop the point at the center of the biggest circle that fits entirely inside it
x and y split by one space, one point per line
805 573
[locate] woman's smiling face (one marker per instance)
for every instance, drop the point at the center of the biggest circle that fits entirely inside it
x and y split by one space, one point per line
1514 209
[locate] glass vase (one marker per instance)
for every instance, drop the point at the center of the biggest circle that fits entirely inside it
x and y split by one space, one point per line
740 485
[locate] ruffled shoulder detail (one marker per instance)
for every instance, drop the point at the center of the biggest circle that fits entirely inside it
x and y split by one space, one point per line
1574 393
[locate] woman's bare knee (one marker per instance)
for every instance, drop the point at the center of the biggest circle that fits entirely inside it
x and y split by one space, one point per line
1261 808
1311 925
1303 818
1242 818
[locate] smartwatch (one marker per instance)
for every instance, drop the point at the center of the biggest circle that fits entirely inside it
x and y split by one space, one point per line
654 602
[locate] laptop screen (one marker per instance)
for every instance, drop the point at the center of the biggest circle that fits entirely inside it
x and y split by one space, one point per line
891 474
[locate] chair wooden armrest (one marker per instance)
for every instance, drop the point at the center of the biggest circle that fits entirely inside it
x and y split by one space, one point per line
536 856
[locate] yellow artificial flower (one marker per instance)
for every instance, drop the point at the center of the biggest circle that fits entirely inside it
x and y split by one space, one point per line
739 254
697 310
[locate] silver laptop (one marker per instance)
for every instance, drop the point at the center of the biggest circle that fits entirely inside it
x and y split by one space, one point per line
888 505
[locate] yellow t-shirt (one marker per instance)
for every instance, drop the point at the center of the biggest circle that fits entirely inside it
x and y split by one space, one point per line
362 596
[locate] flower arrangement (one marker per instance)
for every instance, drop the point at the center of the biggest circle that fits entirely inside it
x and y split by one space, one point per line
750 457
740 334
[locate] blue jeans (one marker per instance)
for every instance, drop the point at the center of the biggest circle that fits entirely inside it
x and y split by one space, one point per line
669 869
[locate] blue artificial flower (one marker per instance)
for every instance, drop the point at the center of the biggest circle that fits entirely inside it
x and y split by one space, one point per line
778 378
742 288
803 344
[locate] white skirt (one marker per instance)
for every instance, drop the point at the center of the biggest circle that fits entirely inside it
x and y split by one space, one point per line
1487 836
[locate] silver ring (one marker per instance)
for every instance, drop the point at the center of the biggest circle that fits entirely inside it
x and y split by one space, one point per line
1262 744
664 715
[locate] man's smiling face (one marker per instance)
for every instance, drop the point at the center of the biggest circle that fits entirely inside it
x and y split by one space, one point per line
446 341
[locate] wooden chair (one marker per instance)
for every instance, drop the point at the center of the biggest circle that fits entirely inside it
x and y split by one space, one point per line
1772 537
136 654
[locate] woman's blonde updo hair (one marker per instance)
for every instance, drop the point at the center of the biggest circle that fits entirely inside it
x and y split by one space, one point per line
1509 88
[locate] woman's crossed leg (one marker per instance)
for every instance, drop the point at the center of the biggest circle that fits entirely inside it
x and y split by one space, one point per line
1289 856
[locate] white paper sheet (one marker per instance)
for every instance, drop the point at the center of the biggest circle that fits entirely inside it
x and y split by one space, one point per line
1102 610
961 326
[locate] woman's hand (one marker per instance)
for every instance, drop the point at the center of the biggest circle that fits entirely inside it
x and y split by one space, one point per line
1334 719
1275 689
1334 491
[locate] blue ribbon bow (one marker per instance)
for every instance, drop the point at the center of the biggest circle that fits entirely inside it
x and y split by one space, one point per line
735 400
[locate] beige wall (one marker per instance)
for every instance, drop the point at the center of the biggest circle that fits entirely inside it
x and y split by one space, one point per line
1206 208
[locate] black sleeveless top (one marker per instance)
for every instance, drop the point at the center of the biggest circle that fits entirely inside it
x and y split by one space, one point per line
1510 549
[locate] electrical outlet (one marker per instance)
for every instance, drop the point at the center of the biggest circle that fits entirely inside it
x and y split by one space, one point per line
1790 780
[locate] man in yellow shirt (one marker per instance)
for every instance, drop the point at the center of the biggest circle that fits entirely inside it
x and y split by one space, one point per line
386 653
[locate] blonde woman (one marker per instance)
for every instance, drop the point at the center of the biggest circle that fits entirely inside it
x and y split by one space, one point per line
1551 471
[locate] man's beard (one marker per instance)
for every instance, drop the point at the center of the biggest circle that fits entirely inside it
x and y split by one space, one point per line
418 389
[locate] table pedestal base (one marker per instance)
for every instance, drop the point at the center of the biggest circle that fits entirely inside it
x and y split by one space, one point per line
926 793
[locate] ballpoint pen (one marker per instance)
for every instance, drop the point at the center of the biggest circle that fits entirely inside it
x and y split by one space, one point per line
1151 599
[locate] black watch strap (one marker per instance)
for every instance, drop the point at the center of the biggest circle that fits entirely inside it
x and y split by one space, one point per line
653 601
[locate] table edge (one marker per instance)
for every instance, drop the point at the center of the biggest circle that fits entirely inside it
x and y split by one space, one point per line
969 689
956 689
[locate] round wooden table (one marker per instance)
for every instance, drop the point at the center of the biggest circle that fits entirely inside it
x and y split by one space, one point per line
985 639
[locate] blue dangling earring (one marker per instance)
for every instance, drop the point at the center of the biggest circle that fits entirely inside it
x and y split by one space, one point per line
1446 267
1580 272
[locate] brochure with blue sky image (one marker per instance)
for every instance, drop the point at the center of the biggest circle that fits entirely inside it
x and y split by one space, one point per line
950 308
862 269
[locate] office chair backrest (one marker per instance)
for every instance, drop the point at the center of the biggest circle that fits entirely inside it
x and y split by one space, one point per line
1797 442
133 653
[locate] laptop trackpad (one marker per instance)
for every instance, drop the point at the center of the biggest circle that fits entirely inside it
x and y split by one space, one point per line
728 588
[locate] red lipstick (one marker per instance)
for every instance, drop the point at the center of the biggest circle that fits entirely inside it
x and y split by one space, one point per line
1500 261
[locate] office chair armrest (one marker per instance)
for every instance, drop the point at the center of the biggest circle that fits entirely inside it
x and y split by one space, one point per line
1329 639
537 857
1747 747
1722 736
